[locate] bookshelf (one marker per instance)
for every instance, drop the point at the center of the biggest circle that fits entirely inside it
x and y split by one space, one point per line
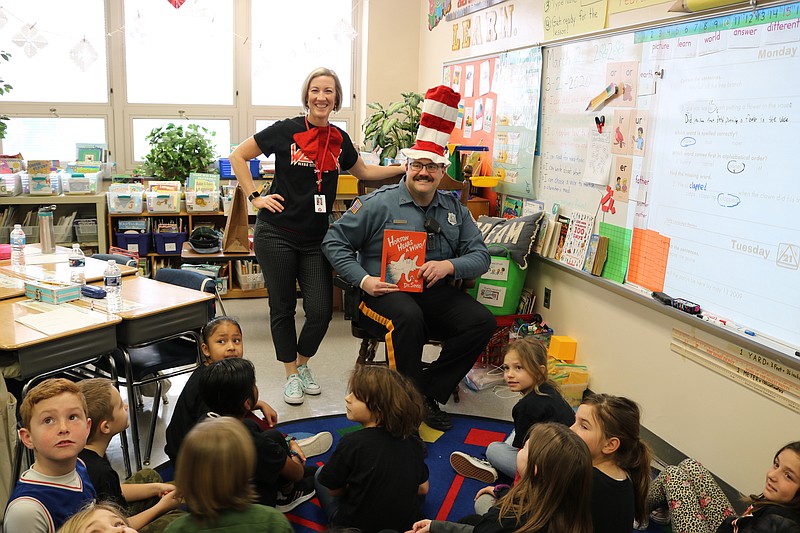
86 206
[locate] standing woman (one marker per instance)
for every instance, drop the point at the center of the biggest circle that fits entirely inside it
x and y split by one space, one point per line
293 218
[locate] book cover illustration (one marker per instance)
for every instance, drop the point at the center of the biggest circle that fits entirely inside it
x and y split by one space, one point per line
512 207
402 255
591 254
577 241
561 237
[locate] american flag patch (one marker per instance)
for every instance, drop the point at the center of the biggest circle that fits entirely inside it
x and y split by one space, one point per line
355 206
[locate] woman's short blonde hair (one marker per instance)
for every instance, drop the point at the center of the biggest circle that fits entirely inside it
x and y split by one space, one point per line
213 447
316 73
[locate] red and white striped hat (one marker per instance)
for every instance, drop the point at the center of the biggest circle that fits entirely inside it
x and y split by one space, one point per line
439 111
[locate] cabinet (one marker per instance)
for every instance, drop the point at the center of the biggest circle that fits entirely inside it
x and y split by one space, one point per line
85 206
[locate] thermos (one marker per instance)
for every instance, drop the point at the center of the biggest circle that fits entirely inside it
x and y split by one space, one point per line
47 238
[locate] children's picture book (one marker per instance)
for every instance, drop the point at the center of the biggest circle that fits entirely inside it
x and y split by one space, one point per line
402 255
164 186
93 152
538 245
512 207
202 182
577 241
562 236
591 253
553 236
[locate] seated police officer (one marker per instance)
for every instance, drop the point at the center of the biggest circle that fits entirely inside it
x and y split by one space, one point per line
454 251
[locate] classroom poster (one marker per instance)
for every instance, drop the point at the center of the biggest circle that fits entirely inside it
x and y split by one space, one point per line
466 132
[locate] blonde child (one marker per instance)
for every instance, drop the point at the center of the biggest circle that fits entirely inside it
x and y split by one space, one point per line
145 497
552 493
375 476
102 517
697 505
525 372
214 474
609 425
55 426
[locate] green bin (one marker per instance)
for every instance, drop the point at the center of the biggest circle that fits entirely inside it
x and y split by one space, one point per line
500 288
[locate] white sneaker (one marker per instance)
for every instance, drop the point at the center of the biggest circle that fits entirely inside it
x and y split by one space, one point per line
472 467
293 390
316 444
310 385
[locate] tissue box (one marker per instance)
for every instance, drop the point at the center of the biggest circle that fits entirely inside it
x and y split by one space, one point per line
52 292
562 347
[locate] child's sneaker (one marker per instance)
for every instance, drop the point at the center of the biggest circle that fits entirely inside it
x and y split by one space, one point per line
302 492
660 516
293 390
472 467
316 444
310 385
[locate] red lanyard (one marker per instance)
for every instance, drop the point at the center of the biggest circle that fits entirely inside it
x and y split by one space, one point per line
319 164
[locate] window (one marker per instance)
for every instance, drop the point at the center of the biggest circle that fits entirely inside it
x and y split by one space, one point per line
58 51
52 138
290 39
179 56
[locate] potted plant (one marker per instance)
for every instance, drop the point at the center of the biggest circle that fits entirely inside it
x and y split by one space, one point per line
4 88
394 127
175 151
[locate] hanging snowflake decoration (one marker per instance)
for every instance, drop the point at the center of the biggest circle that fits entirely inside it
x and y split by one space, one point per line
343 32
3 18
83 54
29 40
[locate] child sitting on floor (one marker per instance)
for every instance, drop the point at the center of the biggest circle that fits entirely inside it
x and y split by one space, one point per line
55 426
525 371
214 475
688 496
222 338
609 425
376 475
96 518
228 388
552 493
144 496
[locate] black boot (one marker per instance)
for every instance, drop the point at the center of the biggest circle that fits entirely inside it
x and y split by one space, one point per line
435 417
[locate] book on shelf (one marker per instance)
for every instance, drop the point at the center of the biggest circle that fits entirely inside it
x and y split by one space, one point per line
562 236
164 186
512 207
202 182
591 253
91 152
552 242
402 255
526 300
541 237
602 254
577 241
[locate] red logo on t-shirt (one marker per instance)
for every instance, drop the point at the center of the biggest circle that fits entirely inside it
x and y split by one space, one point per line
299 158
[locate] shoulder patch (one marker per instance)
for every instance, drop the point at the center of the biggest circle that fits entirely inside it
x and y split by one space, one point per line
355 206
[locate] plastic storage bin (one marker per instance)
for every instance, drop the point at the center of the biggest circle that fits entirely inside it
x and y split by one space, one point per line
124 202
199 202
62 234
163 201
500 288
81 183
249 282
169 243
49 185
86 231
10 184
347 184
225 170
135 242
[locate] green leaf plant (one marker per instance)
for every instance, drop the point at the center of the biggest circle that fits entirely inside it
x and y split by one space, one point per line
175 151
4 88
394 127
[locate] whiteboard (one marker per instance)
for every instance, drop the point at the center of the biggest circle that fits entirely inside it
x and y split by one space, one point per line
712 174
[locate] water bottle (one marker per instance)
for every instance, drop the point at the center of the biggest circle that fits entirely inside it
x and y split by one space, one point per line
77 264
17 247
47 239
112 279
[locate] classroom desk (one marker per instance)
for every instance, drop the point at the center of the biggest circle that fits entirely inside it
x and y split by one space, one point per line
37 353
57 269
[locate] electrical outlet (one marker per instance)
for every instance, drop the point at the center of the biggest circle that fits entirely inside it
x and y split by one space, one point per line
546 298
